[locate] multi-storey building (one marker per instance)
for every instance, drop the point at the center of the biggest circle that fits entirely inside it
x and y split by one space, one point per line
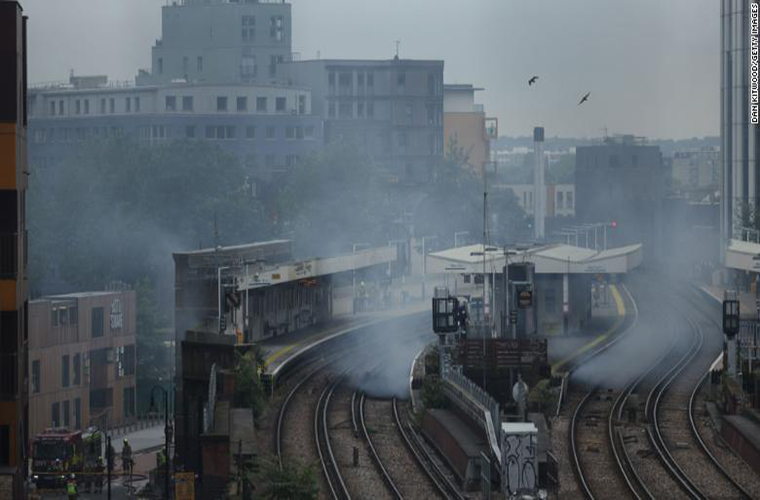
14 409
220 41
622 179
269 128
560 198
391 109
82 368
696 168
739 140
464 124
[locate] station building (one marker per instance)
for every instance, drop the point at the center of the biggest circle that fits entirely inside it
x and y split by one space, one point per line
560 275
235 296
82 360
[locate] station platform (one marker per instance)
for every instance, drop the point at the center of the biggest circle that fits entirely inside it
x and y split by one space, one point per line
279 350
606 322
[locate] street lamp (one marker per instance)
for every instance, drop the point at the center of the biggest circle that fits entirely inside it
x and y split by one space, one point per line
219 295
167 434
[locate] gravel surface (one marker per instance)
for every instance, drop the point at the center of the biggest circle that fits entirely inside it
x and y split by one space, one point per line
366 480
410 478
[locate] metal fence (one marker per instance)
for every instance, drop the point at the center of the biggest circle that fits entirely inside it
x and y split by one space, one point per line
454 377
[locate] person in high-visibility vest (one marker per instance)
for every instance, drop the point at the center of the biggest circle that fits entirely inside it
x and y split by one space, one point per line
71 488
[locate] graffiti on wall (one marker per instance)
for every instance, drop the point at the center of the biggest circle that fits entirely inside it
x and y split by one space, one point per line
520 474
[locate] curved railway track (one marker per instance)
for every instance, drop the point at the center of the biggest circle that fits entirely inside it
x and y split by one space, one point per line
684 466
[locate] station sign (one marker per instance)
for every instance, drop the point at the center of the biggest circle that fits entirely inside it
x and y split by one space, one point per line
525 298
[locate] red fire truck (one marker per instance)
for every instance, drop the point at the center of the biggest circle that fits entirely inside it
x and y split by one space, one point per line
56 454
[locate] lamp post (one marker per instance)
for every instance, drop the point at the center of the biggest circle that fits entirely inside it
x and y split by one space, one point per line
219 294
167 434
353 274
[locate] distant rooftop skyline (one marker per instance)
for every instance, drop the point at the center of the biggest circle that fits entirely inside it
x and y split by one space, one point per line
652 67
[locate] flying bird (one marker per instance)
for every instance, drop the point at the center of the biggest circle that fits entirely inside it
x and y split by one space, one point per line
532 80
584 98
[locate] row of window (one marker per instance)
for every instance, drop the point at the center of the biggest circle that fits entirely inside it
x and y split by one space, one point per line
82 106
159 132
248 28
241 104
345 109
69 315
272 161
60 418
365 83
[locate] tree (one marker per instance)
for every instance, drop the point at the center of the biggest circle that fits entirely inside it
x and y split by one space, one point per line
291 482
248 391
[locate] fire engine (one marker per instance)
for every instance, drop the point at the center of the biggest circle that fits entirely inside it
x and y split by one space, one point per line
58 452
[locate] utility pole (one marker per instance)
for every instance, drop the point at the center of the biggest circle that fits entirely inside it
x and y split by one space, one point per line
485 239
109 464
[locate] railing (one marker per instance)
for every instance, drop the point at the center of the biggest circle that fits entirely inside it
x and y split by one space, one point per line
490 420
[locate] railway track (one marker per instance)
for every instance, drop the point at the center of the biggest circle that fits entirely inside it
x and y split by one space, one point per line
668 456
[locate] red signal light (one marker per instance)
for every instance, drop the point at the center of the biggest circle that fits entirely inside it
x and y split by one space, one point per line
613 223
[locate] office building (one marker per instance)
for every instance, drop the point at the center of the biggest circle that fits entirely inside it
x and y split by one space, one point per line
622 180
14 410
696 169
739 139
390 109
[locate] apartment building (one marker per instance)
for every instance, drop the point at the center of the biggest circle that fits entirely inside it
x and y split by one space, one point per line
82 365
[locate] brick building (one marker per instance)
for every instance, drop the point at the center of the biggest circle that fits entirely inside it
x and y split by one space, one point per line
82 360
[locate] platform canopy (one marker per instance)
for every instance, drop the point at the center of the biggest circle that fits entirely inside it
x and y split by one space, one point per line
548 259
740 255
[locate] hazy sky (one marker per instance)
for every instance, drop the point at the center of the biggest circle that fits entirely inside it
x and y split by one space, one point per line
651 65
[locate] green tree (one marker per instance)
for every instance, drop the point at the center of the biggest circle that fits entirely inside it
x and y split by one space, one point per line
248 391
292 482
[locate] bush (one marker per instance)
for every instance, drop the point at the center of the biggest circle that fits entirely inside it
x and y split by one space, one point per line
432 392
292 481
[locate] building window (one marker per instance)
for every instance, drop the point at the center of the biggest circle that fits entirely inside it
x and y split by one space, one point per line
77 369
160 66
242 104
291 160
401 83
301 104
221 103
273 60
276 28
171 103
78 413
408 111
52 108
250 132
308 132
345 83
66 412
187 103
270 133
220 132
60 108
249 28
73 315
137 104
346 110
96 317
87 106
331 109
370 82
56 416
112 105
129 104
36 376
190 131
570 200
370 109
199 64
129 360
77 107
103 106
360 109
560 200
331 81
261 104
290 132
279 104
248 66
65 371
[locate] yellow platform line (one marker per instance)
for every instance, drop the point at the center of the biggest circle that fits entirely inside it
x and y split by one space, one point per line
620 305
